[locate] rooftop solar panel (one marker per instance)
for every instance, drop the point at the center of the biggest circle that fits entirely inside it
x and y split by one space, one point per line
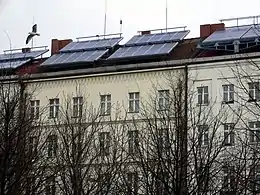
76 57
12 64
157 38
143 50
92 44
254 32
27 55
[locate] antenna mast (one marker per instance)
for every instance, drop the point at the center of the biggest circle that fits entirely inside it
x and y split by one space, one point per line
32 25
105 19
166 15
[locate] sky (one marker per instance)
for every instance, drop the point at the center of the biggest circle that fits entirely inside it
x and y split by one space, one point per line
62 19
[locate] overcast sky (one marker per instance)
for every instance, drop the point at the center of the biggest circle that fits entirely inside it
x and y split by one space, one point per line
70 19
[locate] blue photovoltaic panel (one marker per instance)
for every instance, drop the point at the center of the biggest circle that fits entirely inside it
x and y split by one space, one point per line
92 44
12 64
157 38
143 50
254 32
64 58
27 55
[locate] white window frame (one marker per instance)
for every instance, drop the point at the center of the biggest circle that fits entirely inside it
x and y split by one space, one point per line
204 135
203 95
77 106
254 91
163 99
229 134
133 141
134 102
104 143
54 107
254 133
105 104
35 109
52 145
228 93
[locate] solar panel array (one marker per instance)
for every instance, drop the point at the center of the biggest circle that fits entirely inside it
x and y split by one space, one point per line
234 33
91 44
157 38
82 51
85 56
144 50
150 45
14 60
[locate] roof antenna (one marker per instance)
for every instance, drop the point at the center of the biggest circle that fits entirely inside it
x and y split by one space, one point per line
105 19
32 24
166 14
121 25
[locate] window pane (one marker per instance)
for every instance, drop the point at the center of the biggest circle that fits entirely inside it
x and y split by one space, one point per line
137 95
102 98
131 106
200 99
131 95
108 98
137 105
206 98
225 88
206 89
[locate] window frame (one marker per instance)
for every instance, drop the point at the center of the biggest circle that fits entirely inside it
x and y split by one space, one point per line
105 104
52 145
132 183
204 135
254 131
163 99
54 106
229 134
133 141
77 106
228 92
134 102
35 109
104 143
253 91
203 92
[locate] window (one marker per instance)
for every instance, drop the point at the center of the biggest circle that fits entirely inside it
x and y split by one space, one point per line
228 178
104 143
132 183
54 107
254 133
35 109
162 183
50 186
133 142
255 179
104 181
203 135
134 102
203 95
163 100
77 106
254 91
105 104
228 93
229 134
32 144
52 145
163 140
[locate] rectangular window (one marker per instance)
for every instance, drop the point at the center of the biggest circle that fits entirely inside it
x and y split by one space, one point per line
254 131
254 91
133 142
104 143
203 131
229 134
134 102
32 144
35 109
54 107
228 178
228 93
52 142
163 140
50 186
162 183
105 104
163 99
77 106
132 183
203 95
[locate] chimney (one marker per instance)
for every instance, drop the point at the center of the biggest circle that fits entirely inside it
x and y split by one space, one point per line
57 45
207 29
147 32
26 50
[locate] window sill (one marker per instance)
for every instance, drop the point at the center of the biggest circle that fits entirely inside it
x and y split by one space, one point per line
228 144
228 102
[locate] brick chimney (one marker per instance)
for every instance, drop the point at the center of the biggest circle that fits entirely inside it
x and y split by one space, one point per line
57 45
26 50
147 32
208 29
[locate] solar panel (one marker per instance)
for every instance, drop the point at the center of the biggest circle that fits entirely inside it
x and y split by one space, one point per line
12 64
254 32
92 44
157 38
32 54
143 50
76 57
